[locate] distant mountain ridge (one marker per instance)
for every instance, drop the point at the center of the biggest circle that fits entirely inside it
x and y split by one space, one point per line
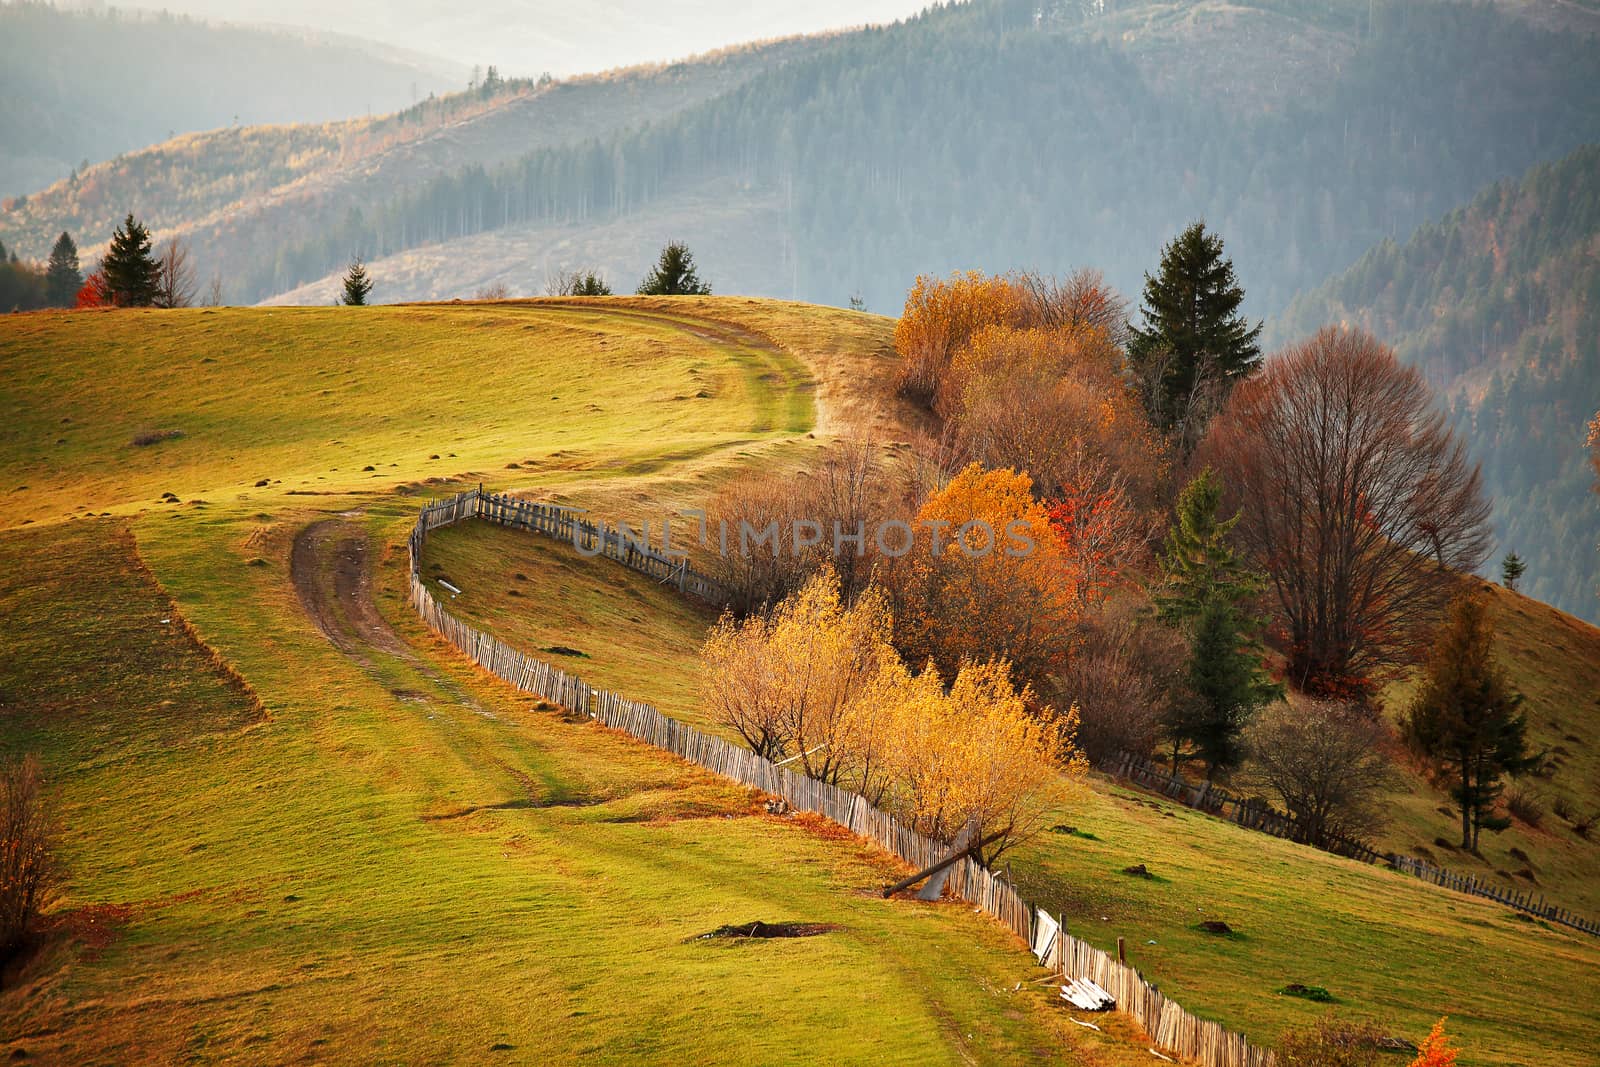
992 134
79 86
1498 303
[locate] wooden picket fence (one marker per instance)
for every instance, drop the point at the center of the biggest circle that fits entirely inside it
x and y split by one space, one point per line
1255 815
627 546
1175 1031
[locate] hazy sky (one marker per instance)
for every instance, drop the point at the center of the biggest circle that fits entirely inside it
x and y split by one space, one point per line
526 37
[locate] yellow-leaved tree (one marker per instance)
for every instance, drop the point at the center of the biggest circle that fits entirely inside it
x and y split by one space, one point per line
816 681
978 754
794 682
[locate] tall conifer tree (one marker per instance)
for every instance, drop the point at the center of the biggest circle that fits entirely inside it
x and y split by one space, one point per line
1206 590
674 274
1193 335
357 284
132 275
1465 716
62 278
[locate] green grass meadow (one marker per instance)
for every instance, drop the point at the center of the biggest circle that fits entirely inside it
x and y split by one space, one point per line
401 860
396 859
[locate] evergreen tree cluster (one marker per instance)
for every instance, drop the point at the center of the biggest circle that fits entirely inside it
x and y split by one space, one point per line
30 286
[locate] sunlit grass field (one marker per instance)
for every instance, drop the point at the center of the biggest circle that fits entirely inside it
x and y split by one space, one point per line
1387 947
404 861
400 860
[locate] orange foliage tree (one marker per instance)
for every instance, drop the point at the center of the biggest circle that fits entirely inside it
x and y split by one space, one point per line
1053 402
1436 1050
940 316
985 577
93 293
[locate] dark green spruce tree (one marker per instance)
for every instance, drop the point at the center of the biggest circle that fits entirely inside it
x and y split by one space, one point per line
1207 591
1512 568
674 274
1194 344
131 273
357 284
62 278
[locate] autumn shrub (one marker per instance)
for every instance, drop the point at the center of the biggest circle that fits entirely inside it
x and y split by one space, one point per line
1327 764
1080 300
1436 1050
1052 402
766 536
28 871
984 577
750 534
1124 670
1525 804
940 315
1330 1042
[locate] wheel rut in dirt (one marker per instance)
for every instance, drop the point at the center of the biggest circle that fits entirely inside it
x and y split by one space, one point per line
332 574
330 565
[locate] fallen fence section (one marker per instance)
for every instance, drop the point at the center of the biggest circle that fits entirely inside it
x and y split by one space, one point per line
1173 1029
1254 815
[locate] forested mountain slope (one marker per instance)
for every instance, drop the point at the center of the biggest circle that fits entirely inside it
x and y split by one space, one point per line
77 86
983 136
250 200
1499 304
551 35
990 134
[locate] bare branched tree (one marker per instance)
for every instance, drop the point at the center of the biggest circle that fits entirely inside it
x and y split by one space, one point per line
29 874
845 496
580 282
1196 408
1081 299
1357 501
175 282
1125 670
1326 763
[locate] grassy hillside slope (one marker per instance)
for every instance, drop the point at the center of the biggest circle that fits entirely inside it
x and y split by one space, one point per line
1554 661
395 859
1387 947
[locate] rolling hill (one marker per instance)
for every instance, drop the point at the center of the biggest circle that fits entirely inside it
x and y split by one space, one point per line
81 87
284 797
298 826
1498 304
